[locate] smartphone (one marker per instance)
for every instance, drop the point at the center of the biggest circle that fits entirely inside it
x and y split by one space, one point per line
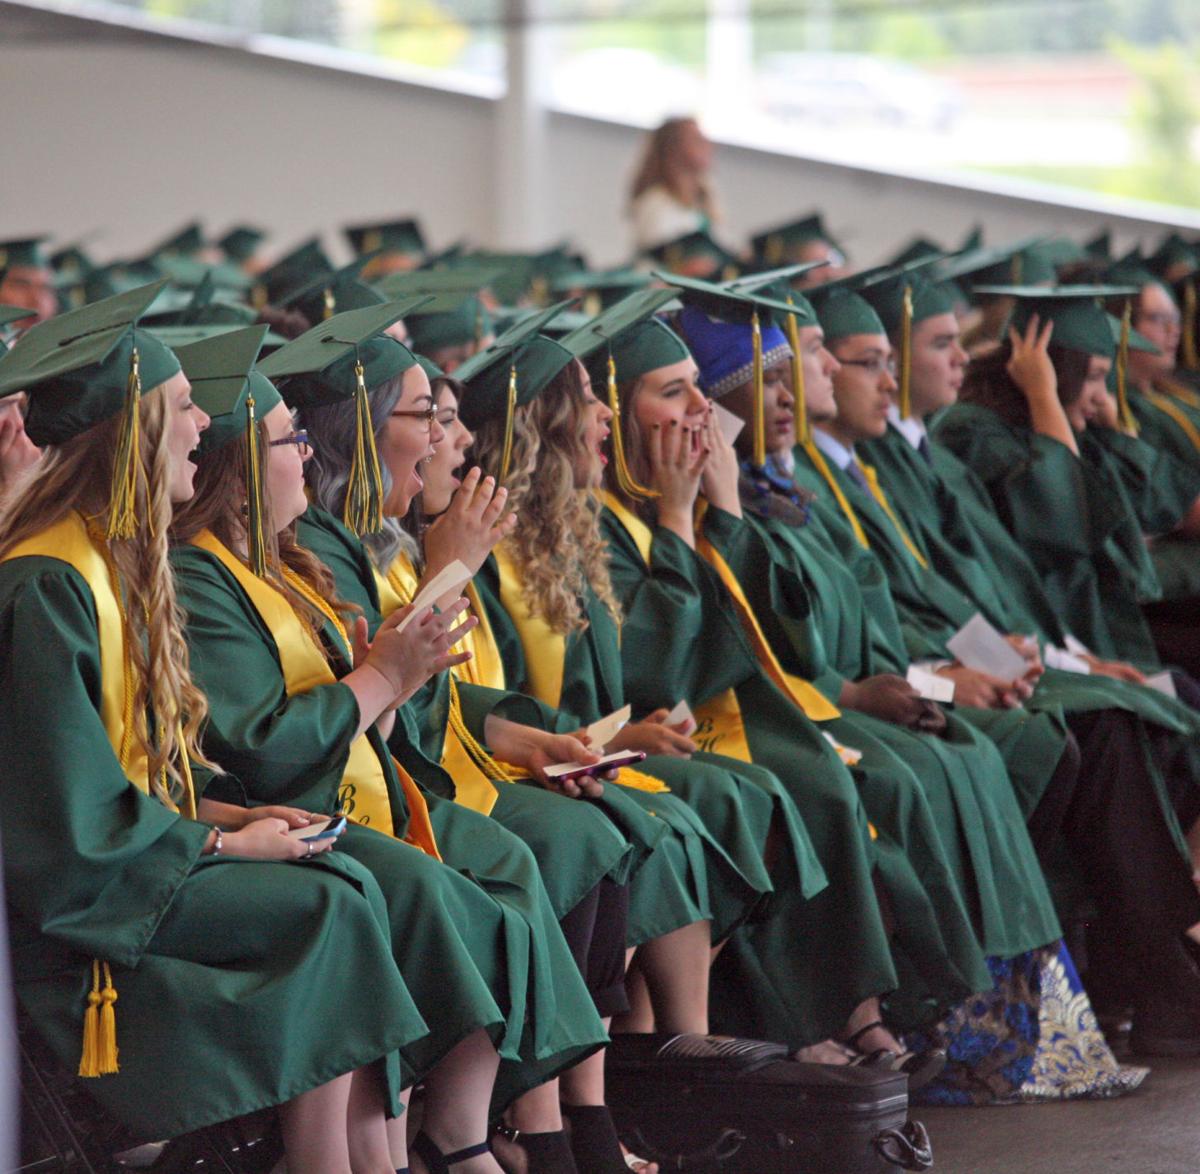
322 829
577 770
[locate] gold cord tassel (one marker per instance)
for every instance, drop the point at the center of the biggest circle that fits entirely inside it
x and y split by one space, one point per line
1124 413
256 540
493 770
799 402
625 479
760 411
1191 360
510 423
364 492
127 465
906 355
99 1057
330 304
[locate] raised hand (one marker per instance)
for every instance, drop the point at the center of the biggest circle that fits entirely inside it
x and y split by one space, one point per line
472 525
719 478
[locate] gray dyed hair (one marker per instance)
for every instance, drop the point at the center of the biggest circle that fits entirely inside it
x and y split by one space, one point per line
333 428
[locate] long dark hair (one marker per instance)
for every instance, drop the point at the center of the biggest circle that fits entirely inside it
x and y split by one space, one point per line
988 383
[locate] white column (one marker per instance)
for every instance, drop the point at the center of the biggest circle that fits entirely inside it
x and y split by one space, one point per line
729 48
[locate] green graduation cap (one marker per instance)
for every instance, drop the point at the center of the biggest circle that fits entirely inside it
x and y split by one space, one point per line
692 247
917 249
776 283
236 398
176 336
84 367
241 242
185 242
1100 246
777 245
204 308
24 252
600 289
305 263
8 315
1025 264
451 320
337 360
843 312
387 236
431 368
1172 250
331 293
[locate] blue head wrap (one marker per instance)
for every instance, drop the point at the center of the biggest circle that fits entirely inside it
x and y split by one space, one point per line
724 351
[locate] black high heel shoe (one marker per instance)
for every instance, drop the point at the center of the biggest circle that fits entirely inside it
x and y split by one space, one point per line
594 1140
545 1153
437 1162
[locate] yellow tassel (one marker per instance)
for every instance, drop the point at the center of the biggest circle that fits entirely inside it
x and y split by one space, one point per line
773 250
99 1057
256 540
799 401
258 296
510 422
372 241
906 355
127 465
1125 415
625 479
1191 360
364 491
330 305
760 411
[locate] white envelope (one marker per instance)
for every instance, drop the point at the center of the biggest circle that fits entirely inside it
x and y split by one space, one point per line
450 578
980 647
681 713
1163 683
929 685
729 424
601 732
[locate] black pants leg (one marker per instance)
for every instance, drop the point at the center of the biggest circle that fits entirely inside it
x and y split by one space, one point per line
595 930
1046 822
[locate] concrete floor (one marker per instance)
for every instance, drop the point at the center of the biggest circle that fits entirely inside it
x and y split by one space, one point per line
1155 1130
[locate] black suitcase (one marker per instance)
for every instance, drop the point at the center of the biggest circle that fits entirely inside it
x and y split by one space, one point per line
713 1103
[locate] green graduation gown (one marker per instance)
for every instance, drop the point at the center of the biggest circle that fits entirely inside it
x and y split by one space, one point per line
482 950
205 954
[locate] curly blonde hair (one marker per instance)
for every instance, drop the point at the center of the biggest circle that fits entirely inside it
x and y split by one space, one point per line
218 505
557 545
76 476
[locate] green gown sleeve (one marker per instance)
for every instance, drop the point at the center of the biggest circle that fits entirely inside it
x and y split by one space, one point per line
293 748
1160 488
92 863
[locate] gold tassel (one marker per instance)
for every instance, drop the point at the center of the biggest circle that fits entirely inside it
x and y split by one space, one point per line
760 410
625 479
364 492
258 296
99 1057
906 355
773 250
510 423
127 465
799 400
330 304
372 241
1191 360
1124 412
256 540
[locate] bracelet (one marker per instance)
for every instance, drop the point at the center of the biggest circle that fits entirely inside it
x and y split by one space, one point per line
216 848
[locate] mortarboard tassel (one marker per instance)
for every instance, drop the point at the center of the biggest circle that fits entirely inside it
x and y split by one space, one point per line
625 479
256 539
906 355
799 400
99 1057
1191 360
330 304
760 412
510 421
364 492
773 249
1124 413
127 468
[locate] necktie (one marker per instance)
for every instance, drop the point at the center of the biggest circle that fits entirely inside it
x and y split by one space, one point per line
855 473
923 449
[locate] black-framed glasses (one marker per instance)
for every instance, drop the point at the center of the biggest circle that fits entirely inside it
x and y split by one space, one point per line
875 366
299 439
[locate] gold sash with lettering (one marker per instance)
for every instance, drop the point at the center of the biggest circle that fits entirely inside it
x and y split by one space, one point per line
546 656
363 792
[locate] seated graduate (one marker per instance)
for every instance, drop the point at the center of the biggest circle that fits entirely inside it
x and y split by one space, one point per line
449 337
114 883
303 702
27 281
584 856
18 454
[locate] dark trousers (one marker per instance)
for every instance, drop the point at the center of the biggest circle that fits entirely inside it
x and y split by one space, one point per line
1175 628
595 933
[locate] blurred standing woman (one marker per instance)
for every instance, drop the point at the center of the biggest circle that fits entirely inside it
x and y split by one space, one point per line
672 191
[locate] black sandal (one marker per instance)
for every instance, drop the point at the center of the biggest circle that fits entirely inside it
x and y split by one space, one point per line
919 1067
594 1140
437 1162
547 1153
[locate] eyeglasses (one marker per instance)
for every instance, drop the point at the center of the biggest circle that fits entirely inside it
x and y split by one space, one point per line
875 367
299 439
443 416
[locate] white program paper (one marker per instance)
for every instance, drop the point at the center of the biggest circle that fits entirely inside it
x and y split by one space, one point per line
450 578
681 715
1068 662
601 732
562 768
980 647
730 424
1163 683
929 685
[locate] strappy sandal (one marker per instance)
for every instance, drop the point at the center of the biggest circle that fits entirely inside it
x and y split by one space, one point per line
437 1162
546 1153
919 1067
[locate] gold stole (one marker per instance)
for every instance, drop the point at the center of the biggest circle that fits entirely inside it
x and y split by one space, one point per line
474 771
364 791
1180 391
546 655
1166 404
814 704
885 505
818 459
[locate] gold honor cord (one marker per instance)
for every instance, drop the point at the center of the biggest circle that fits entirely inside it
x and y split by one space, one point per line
1125 415
625 479
510 423
491 768
127 465
819 462
1188 340
760 409
799 399
363 513
906 354
256 540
